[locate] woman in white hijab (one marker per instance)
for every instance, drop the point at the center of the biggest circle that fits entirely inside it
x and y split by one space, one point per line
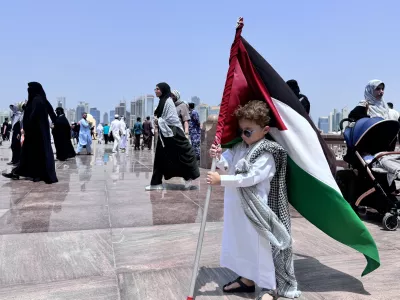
373 104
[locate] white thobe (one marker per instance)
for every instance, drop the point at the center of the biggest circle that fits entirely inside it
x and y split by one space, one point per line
115 129
244 251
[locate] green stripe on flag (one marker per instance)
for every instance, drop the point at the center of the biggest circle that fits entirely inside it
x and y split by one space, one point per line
317 201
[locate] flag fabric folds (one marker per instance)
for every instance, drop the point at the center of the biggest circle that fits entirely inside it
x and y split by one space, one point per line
312 189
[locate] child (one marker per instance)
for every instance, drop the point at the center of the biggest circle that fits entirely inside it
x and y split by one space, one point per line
246 245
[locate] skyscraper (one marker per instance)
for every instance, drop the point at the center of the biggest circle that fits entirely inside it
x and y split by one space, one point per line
62 102
96 114
105 118
121 109
195 100
80 109
140 110
112 114
71 115
330 122
149 106
323 124
202 109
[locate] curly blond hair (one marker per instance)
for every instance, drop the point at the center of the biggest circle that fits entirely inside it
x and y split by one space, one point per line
256 111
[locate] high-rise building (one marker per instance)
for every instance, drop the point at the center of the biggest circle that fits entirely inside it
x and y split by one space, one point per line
112 114
149 107
195 100
338 118
105 118
62 102
86 107
96 114
330 122
323 124
202 109
80 109
140 109
71 115
121 109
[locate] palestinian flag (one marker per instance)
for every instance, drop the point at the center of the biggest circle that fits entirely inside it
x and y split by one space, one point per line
312 189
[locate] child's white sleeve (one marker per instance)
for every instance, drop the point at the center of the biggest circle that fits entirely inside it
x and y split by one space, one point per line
262 169
226 160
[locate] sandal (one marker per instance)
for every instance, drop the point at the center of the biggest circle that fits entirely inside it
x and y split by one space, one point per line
241 289
266 292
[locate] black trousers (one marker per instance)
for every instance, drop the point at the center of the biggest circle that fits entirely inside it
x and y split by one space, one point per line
106 138
137 141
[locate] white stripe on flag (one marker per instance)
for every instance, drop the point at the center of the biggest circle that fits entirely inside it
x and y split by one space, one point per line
302 144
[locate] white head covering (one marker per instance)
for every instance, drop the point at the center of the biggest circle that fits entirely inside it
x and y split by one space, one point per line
116 116
177 94
376 107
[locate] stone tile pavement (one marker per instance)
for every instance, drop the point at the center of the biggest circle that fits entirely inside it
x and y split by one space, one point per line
98 235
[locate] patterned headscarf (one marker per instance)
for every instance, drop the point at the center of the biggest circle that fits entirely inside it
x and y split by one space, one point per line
17 112
376 107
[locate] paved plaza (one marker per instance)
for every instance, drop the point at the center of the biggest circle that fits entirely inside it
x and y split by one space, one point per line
98 235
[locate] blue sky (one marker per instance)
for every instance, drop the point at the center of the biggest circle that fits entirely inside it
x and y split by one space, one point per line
101 51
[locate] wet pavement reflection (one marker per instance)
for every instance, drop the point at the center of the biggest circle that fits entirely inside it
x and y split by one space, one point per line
97 234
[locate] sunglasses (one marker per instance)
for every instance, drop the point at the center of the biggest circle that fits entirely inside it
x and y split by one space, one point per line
246 132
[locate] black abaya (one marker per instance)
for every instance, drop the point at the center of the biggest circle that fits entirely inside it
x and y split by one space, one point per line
16 143
62 138
37 158
176 159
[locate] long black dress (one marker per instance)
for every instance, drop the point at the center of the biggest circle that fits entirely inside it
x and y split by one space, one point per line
62 138
16 143
37 158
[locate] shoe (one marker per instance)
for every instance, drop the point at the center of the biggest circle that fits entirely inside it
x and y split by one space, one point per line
157 187
10 163
11 176
188 183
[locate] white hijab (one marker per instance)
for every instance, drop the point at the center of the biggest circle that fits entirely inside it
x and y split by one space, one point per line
376 108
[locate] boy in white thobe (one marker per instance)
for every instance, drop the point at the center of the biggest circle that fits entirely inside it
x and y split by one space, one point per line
244 250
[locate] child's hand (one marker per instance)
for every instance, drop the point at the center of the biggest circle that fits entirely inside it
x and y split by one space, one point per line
215 151
213 178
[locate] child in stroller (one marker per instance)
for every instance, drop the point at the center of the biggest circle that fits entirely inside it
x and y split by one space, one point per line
370 181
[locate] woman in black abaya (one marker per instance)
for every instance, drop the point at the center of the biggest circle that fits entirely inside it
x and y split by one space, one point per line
62 136
37 158
174 155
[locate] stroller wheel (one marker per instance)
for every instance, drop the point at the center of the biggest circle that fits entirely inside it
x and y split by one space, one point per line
390 222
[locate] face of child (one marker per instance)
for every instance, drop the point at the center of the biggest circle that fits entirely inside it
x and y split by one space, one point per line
251 132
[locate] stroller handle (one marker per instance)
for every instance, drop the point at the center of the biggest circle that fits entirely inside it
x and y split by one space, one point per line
345 120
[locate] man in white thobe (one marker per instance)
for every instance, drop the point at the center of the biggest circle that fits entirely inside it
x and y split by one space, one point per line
99 133
115 129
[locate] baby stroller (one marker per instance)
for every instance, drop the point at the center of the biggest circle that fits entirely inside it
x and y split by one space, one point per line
364 184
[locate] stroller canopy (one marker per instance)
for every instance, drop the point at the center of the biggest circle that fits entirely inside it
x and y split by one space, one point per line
371 135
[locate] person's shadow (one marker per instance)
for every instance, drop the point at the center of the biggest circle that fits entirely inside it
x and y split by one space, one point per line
310 273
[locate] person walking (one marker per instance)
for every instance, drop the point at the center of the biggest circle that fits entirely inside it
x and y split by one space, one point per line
99 130
62 136
124 134
85 136
37 157
194 130
115 129
147 133
16 133
106 130
137 131
174 155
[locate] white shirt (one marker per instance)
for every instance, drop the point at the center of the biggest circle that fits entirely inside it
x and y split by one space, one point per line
123 127
393 114
115 126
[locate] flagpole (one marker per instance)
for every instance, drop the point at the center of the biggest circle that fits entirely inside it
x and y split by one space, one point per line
201 237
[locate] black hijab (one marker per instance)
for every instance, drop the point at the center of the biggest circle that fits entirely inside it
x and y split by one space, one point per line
59 111
294 87
165 94
35 89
